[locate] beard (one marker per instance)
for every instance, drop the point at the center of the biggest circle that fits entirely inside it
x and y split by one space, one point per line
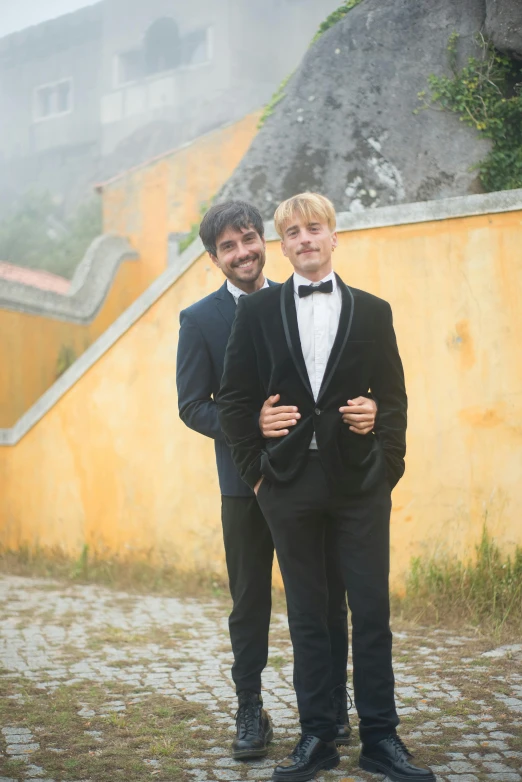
249 273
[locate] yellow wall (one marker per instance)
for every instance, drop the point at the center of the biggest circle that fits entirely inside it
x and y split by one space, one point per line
111 464
144 205
166 196
30 345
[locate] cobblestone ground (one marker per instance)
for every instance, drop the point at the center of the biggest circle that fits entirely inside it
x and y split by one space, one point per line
89 675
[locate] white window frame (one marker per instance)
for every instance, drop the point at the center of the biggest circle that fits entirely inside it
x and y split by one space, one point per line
122 84
36 90
116 70
210 52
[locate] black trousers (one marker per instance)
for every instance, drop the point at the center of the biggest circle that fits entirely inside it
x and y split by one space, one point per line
305 516
249 554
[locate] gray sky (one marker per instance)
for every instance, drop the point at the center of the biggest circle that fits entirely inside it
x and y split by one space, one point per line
17 14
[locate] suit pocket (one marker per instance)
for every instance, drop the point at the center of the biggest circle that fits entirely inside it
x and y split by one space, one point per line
356 449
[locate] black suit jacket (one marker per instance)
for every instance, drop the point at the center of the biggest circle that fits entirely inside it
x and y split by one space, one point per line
264 357
204 332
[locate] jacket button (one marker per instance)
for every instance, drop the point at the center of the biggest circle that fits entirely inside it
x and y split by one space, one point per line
317 411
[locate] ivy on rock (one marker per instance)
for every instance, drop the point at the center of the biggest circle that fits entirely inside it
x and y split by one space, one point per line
330 21
487 95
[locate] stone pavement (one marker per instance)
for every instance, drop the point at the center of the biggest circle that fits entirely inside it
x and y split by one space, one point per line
459 697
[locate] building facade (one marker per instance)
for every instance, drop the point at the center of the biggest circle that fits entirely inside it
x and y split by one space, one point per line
95 92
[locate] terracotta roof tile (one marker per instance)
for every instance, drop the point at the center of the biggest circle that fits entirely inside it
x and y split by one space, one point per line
36 278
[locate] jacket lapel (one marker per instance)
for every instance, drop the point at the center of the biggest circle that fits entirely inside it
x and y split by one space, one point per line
226 304
342 335
291 329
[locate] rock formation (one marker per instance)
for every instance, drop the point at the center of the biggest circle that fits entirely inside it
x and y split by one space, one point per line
504 25
347 126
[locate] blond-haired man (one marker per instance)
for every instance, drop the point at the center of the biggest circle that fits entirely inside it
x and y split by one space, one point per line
317 342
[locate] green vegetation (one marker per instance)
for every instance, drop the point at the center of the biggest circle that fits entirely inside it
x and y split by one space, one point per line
194 228
147 575
37 234
487 95
109 746
66 358
280 93
276 98
486 591
277 661
335 17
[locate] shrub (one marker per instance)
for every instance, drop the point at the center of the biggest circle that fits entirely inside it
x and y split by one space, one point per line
487 95
486 591
36 234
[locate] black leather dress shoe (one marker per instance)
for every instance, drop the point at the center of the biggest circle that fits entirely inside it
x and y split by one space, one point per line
340 700
310 756
390 757
254 729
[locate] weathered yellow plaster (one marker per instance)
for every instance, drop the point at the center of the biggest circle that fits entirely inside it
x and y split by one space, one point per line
146 204
111 465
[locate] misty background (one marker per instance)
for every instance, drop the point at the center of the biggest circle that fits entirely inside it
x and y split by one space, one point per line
25 13
89 90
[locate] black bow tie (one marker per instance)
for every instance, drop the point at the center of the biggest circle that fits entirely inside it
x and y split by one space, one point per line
307 290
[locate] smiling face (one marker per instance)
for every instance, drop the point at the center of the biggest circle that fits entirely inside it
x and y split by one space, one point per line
308 243
241 255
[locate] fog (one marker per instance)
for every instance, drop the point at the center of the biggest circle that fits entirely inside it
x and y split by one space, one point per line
18 15
112 84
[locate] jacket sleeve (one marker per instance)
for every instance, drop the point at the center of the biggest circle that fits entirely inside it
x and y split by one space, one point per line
240 399
388 388
194 375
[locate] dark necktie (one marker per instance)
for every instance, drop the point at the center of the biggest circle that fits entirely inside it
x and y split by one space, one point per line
307 290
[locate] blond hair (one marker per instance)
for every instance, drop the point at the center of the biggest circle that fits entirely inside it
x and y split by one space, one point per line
309 207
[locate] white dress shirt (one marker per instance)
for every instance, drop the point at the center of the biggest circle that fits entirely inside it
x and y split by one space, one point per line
318 320
237 292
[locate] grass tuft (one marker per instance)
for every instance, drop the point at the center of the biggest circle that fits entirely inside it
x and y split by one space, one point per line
146 576
157 728
335 17
486 591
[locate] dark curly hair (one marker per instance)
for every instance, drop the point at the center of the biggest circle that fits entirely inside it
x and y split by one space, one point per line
231 214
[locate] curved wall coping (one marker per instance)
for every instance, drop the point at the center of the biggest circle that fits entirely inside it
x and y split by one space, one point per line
89 287
402 214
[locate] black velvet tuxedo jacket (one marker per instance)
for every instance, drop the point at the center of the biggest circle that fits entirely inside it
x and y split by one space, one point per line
264 357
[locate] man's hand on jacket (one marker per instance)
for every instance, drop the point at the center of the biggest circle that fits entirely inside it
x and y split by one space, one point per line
275 421
359 414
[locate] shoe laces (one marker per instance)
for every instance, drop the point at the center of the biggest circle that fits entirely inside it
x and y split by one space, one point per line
302 745
247 716
400 746
337 694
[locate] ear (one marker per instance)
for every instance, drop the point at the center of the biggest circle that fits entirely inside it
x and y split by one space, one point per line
214 260
283 249
335 241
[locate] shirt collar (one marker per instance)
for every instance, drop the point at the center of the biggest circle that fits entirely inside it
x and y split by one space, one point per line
298 280
237 292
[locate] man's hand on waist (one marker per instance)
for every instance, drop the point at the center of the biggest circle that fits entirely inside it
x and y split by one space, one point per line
276 421
359 414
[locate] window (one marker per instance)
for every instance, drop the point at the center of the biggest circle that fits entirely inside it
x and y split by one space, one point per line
161 47
197 48
53 100
164 49
130 66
